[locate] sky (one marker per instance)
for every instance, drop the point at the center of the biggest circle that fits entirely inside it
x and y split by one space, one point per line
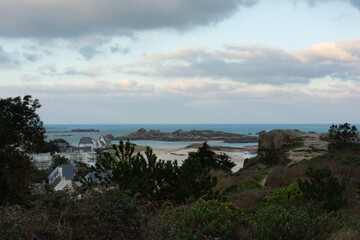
183 61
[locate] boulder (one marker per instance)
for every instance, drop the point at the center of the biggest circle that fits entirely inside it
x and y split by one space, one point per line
275 140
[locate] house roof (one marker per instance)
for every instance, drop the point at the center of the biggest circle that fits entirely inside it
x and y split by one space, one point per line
77 149
86 140
53 173
68 171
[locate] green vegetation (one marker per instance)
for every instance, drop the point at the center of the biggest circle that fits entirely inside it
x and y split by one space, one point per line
143 198
58 160
20 128
323 188
284 195
202 220
344 137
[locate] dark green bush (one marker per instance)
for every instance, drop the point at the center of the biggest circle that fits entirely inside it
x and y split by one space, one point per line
323 188
344 137
203 220
276 222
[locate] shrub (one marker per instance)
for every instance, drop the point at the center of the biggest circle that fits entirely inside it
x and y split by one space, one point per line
111 215
284 195
202 220
344 137
276 222
343 133
323 188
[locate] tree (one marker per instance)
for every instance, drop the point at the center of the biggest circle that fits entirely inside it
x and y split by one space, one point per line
58 160
209 159
51 146
323 188
20 127
148 178
136 175
343 133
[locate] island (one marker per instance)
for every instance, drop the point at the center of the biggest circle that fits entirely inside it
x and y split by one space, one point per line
84 130
193 135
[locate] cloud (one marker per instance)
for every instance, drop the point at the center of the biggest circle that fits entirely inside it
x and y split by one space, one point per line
117 49
89 46
354 3
67 18
319 100
254 63
30 78
89 72
7 60
32 57
49 68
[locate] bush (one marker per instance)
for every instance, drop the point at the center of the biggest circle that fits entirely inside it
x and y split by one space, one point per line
202 220
110 215
344 137
284 195
276 222
343 133
323 188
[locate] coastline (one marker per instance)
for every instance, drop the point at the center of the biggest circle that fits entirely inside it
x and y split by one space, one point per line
237 155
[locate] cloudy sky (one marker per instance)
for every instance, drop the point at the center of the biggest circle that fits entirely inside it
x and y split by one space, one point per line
183 61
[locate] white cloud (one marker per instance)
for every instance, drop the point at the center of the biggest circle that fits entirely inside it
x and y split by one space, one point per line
254 63
89 72
127 101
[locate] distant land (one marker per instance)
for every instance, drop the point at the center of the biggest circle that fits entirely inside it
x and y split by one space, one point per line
193 135
84 130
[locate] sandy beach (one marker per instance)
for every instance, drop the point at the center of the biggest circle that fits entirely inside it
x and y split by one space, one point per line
237 155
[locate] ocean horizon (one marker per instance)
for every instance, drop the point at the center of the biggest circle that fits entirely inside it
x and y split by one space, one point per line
64 131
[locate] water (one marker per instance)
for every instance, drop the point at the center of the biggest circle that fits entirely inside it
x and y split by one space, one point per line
63 131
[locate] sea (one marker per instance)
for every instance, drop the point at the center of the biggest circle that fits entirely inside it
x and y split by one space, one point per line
64 131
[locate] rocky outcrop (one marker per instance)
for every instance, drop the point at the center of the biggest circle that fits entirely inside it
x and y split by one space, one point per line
293 145
84 130
193 135
247 149
276 140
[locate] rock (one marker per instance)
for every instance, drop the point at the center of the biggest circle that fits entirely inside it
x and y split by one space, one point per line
84 130
193 135
276 139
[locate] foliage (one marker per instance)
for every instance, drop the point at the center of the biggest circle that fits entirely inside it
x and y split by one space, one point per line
209 159
323 188
39 176
51 146
249 184
58 160
284 195
20 126
277 222
344 137
145 177
345 159
149 178
343 133
110 215
202 220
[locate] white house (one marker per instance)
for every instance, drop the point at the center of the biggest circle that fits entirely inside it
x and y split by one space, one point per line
104 142
61 178
89 158
41 160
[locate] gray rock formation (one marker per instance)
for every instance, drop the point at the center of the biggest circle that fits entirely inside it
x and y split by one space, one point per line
276 139
193 135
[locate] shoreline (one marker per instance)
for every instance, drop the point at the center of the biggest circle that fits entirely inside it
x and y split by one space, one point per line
237 155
